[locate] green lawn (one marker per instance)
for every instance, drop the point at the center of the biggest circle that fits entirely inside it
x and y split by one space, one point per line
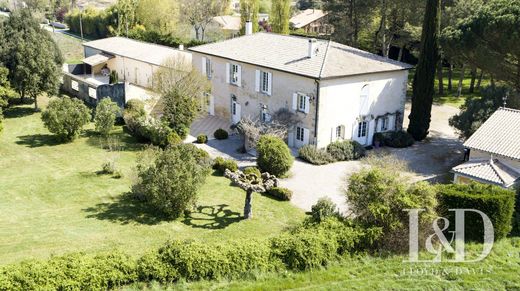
499 271
450 97
54 202
70 47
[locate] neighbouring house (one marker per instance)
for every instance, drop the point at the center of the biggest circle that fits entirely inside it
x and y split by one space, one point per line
493 151
312 21
337 91
227 26
134 62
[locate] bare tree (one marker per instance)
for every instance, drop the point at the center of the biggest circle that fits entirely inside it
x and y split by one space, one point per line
251 183
199 13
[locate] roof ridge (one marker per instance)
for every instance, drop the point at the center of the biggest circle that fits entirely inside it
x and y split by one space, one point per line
509 109
324 59
492 164
136 40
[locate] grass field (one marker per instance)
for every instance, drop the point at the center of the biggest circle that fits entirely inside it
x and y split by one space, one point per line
499 271
450 97
70 47
54 201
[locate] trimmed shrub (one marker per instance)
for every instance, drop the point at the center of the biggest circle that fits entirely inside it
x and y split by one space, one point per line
305 249
497 203
398 139
253 171
220 164
315 156
323 209
346 150
516 215
170 182
377 198
280 193
65 117
221 134
274 156
197 260
134 114
202 138
105 118
76 271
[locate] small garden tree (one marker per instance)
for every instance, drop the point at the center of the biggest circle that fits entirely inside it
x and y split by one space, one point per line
65 117
169 179
182 89
274 156
251 182
106 113
378 198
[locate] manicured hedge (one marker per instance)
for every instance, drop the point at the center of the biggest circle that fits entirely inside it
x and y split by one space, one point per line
280 193
315 156
306 247
497 203
76 271
221 165
346 150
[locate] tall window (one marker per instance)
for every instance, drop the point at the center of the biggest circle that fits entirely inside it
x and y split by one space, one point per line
265 82
302 102
340 132
300 133
384 123
234 74
362 129
208 68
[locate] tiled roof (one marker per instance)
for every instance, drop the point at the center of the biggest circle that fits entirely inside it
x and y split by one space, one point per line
134 49
492 171
499 135
228 22
306 17
290 54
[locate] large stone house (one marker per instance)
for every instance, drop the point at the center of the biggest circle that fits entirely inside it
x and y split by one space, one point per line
338 92
493 151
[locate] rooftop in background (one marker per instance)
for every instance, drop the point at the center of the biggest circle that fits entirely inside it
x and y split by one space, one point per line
306 17
290 54
491 171
499 135
146 52
228 22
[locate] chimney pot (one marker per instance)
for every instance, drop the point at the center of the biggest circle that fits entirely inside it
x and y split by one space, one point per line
181 47
312 47
249 28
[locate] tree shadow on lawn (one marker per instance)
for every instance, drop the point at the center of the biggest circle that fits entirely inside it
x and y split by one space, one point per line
18 112
212 217
38 140
125 209
116 141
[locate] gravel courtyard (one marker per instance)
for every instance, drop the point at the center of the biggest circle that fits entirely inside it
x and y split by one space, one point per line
427 160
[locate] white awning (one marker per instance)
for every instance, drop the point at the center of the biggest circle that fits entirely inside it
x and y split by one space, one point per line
97 59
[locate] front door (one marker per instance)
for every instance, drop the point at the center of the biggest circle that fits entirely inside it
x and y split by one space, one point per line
235 112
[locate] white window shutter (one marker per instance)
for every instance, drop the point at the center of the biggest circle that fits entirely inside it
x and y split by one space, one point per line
391 122
204 65
305 136
228 72
290 138
294 101
307 105
269 83
257 81
239 75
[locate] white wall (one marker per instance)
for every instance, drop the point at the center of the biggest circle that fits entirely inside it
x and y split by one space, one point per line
340 103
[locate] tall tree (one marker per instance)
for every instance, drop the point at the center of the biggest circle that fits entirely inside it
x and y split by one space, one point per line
199 13
424 78
489 39
349 17
280 15
249 12
32 57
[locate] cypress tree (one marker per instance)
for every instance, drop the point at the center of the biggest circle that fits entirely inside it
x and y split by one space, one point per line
423 82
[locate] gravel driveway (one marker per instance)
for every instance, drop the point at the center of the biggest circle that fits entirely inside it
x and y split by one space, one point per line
427 160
